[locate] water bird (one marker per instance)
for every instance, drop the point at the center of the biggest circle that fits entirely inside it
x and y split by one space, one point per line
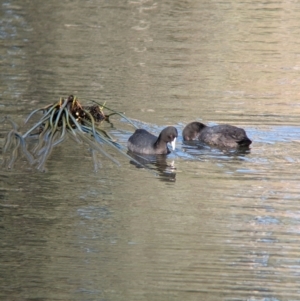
222 136
143 142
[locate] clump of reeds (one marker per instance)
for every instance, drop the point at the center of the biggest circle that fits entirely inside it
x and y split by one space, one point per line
67 117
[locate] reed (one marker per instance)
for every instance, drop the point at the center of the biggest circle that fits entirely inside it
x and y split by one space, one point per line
67 117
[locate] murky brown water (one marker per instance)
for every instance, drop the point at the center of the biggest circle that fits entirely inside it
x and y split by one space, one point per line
211 225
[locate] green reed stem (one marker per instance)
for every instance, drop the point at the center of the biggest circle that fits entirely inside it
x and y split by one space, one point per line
70 128
40 123
32 113
100 139
62 108
47 151
28 155
52 107
52 116
97 147
116 112
100 130
92 121
78 126
14 125
8 140
97 162
41 137
14 155
63 133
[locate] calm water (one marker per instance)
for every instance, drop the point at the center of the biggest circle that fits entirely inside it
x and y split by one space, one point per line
211 225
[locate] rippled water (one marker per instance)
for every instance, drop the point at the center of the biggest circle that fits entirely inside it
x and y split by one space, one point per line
201 224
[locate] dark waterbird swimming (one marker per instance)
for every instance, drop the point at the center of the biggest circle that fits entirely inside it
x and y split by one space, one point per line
223 136
143 142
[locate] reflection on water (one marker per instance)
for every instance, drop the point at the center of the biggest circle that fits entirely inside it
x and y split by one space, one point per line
198 149
158 163
228 227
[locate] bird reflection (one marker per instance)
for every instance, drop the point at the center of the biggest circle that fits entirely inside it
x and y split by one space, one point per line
200 150
157 163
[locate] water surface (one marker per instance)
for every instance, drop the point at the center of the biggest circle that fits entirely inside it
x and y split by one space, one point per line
211 225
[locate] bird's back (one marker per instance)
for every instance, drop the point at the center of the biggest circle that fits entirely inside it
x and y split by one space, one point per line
141 142
224 136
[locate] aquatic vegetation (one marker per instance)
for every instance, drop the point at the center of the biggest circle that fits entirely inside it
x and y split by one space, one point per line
65 118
